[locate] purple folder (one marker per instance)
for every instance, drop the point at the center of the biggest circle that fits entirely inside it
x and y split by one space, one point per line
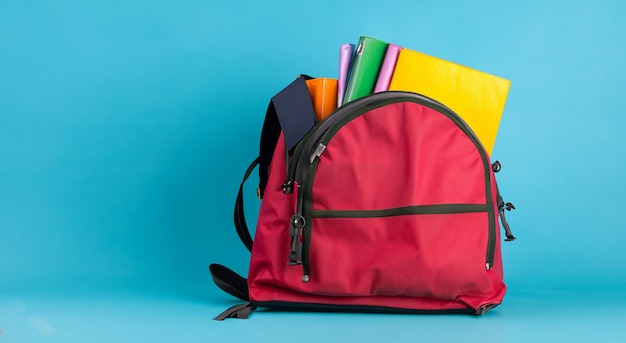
346 52
387 68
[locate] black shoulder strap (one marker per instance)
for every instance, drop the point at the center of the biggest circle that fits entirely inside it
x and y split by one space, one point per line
229 281
240 219
235 285
226 279
290 111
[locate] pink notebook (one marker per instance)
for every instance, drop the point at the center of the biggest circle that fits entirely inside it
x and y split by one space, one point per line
346 52
387 68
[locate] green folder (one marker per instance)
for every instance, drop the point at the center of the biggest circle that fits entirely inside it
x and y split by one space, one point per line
368 58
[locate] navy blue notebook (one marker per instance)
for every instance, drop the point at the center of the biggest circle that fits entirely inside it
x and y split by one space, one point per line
295 112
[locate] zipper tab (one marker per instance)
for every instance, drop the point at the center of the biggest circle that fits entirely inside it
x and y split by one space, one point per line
287 186
295 232
317 152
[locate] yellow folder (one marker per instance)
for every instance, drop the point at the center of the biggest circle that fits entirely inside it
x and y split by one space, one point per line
474 95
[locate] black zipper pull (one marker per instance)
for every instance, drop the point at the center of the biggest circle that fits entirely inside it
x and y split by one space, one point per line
296 224
287 186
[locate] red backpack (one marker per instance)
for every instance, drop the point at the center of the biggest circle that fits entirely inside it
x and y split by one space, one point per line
389 204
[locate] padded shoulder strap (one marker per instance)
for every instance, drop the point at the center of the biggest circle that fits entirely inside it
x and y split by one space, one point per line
229 281
290 111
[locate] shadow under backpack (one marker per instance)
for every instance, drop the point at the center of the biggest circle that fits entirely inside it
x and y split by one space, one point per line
388 205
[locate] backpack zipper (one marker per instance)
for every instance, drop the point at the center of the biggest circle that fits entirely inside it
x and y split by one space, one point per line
309 150
304 149
304 154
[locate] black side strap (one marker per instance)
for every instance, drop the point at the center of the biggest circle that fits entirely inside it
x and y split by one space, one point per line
507 229
242 311
229 281
240 219
502 206
290 111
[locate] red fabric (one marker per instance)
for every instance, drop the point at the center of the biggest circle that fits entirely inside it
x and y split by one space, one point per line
398 155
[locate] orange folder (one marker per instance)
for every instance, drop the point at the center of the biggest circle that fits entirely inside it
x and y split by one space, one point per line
323 95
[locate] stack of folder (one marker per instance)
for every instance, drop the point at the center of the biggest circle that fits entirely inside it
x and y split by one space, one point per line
373 66
377 66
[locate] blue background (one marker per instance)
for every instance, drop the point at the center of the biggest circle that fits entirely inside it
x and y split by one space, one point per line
126 126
